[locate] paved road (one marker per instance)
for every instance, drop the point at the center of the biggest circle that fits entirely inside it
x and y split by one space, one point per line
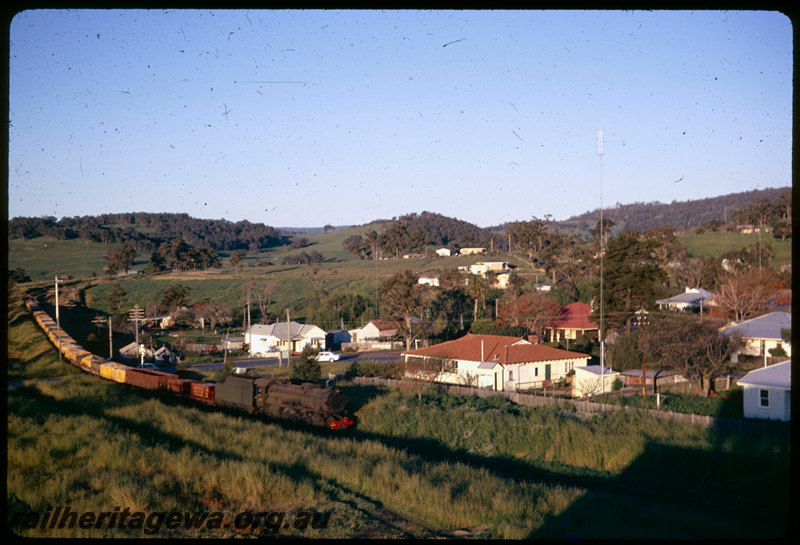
382 355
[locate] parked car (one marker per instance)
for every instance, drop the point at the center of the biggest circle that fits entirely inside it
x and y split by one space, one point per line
327 356
147 366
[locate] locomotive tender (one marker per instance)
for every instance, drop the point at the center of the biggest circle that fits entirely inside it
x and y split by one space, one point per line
305 403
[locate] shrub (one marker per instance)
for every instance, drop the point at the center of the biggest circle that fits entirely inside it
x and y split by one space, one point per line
306 368
374 369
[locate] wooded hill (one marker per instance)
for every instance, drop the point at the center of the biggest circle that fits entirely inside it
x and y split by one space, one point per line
680 215
148 231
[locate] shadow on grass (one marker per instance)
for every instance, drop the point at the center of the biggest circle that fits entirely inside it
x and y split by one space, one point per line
667 492
29 402
720 497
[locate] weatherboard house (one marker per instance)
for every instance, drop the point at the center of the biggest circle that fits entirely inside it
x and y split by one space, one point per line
767 392
762 334
272 338
494 362
691 299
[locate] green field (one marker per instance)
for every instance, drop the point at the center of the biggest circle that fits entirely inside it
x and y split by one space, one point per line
434 466
43 258
717 244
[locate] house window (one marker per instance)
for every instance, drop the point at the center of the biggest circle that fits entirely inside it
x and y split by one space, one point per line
511 375
536 371
449 366
764 398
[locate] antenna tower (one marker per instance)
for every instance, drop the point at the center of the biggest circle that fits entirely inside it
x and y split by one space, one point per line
602 256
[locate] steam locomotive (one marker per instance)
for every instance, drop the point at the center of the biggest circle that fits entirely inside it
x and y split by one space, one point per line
304 403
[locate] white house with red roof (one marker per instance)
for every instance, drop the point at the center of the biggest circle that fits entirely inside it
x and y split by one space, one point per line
573 323
497 362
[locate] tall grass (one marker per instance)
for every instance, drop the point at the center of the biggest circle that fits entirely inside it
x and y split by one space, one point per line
94 445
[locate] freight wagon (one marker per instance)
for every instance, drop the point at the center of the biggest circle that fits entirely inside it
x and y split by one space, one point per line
307 403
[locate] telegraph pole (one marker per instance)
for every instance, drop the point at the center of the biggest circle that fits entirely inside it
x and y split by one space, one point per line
137 314
288 339
110 341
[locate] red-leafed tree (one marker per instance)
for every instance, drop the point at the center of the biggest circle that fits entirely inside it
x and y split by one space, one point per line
533 311
748 295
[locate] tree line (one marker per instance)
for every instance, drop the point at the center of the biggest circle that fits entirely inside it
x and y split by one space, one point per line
413 233
681 215
147 231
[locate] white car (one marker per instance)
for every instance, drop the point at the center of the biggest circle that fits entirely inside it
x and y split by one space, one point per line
327 356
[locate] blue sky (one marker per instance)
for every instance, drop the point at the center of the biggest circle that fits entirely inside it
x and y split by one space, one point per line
307 118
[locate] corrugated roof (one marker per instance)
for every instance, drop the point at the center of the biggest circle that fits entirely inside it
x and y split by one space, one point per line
774 376
576 316
764 327
595 370
691 297
493 347
278 330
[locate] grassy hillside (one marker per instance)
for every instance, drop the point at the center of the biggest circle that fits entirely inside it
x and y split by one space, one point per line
716 244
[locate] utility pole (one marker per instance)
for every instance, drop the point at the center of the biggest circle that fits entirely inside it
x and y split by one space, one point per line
288 339
110 342
644 375
137 314
58 321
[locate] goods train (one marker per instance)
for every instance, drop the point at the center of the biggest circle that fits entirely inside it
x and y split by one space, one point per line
305 403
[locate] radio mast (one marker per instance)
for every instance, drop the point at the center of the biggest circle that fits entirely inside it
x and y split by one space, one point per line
602 252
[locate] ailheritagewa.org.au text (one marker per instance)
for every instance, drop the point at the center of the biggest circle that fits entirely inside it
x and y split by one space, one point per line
63 517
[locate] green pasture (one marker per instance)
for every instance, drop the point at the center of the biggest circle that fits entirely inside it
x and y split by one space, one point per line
43 258
717 244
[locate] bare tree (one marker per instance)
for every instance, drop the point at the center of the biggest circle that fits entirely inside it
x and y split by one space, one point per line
426 371
697 350
262 291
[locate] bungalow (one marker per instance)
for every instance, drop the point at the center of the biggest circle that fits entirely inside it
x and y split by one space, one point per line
768 392
181 315
164 356
494 362
375 330
501 281
472 251
134 350
482 267
691 299
762 334
591 380
443 252
429 280
274 337
573 323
